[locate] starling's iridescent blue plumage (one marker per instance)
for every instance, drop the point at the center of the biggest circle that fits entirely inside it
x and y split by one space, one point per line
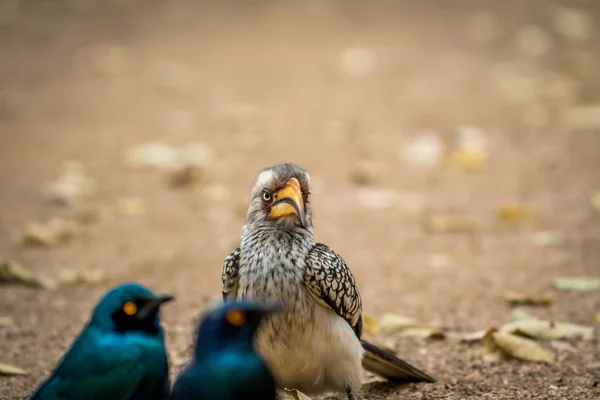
119 355
225 365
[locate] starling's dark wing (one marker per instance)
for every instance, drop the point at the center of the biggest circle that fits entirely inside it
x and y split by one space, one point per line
331 284
230 276
87 373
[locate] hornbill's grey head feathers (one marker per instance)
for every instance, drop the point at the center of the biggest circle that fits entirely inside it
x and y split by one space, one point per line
280 198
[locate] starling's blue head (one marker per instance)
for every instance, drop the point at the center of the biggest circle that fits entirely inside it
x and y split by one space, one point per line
231 325
129 307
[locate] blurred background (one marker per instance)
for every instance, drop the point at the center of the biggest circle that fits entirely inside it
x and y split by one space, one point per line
454 147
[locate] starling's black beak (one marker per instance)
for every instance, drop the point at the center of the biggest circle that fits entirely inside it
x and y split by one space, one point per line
152 305
289 201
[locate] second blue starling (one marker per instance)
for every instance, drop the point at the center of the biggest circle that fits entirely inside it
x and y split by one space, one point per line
119 355
226 365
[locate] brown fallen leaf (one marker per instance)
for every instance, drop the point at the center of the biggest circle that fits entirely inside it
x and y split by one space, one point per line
520 299
394 323
6 321
521 348
548 330
370 324
514 212
451 223
597 319
186 176
366 172
90 214
54 232
295 394
10 370
13 272
423 333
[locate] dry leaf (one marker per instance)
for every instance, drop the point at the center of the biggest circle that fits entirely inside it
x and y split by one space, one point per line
451 223
521 348
518 314
547 238
6 321
9 370
186 176
73 276
393 323
12 272
370 324
423 333
473 336
519 299
490 351
514 212
295 394
52 233
577 284
93 213
596 200
376 199
597 319
468 159
423 151
152 155
131 206
366 172
548 330
71 184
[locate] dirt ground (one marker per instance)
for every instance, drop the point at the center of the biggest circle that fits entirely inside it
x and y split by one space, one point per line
262 82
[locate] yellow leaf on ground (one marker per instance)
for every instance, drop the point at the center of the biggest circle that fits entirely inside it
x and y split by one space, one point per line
371 324
468 159
424 333
473 336
13 272
521 348
577 284
394 323
9 370
451 223
548 330
514 212
295 394
52 233
490 351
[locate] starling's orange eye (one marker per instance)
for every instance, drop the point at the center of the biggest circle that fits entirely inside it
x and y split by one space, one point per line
266 196
236 317
129 308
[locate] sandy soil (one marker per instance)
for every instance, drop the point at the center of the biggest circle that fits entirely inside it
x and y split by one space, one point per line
260 82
